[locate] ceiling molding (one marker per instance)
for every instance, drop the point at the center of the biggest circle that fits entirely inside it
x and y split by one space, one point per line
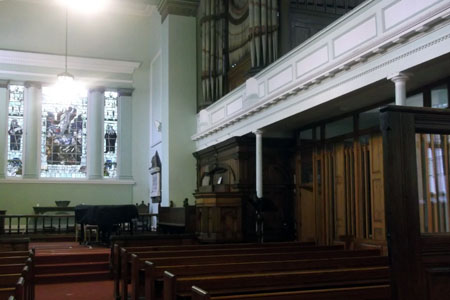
76 63
178 7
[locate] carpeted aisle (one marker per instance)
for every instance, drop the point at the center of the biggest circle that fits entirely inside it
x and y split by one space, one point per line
95 290
63 261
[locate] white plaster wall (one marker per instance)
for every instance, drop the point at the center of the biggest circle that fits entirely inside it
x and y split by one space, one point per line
40 28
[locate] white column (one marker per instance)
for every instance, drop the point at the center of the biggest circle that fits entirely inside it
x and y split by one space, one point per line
400 87
4 102
124 128
259 164
96 104
32 133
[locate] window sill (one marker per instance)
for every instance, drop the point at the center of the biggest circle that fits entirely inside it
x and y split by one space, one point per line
68 181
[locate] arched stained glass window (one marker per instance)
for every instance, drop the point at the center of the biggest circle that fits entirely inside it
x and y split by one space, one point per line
63 147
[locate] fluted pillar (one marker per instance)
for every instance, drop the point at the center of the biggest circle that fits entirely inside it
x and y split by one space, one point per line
96 103
4 102
124 128
399 80
32 132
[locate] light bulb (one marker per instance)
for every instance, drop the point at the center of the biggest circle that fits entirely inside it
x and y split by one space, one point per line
85 6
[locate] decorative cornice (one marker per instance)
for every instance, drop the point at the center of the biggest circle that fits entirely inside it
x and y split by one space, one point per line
97 89
178 7
4 83
34 84
399 77
77 63
125 92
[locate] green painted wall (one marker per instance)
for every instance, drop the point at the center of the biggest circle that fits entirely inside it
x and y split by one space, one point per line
19 198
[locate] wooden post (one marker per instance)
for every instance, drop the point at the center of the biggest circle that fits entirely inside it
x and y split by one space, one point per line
402 204
2 221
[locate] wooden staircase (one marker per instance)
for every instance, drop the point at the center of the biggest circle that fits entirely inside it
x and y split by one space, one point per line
68 267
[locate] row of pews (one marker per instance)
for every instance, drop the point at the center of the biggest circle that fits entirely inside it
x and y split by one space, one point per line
16 272
288 270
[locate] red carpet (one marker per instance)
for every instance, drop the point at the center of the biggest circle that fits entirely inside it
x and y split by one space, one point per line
96 290
65 247
61 254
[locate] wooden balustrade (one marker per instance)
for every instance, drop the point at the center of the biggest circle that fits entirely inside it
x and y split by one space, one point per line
56 223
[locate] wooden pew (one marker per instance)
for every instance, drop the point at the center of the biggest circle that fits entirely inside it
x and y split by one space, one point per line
14 244
277 281
176 219
11 268
211 254
153 273
14 253
375 292
14 284
115 252
253 250
117 265
146 240
21 266
232 258
12 260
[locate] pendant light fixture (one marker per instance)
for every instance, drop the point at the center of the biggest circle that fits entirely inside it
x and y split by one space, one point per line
65 78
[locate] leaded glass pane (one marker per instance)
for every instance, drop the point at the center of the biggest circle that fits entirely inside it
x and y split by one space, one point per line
110 144
63 134
15 130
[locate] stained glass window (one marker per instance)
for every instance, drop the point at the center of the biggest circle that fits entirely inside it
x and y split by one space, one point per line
63 152
110 144
15 130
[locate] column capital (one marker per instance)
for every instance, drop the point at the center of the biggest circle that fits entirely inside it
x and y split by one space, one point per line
99 89
125 92
4 83
34 84
178 7
399 77
258 132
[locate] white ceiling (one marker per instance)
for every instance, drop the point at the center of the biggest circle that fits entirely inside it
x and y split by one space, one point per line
131 7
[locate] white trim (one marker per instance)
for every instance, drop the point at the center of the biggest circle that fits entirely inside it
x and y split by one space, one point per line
73 62
67 181
50 78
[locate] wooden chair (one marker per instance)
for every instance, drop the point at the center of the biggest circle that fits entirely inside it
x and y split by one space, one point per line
139 224
88 230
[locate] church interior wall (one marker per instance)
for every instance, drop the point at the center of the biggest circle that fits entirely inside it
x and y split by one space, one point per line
30 27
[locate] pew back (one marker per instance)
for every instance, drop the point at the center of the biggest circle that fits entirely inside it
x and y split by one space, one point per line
376 292
276 281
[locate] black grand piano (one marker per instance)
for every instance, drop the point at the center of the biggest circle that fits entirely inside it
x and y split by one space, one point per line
105 216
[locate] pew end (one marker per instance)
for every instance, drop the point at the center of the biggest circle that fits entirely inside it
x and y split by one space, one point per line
199 294
170 286
149 268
